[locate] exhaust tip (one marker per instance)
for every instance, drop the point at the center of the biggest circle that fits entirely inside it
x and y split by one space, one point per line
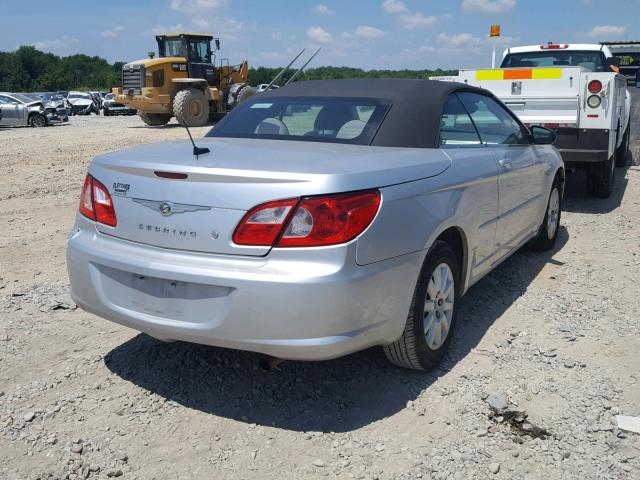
269 363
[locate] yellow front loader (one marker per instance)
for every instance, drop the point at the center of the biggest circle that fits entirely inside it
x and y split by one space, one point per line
184 81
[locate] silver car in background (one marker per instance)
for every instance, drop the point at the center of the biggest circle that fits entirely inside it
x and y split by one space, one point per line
20 110
326 217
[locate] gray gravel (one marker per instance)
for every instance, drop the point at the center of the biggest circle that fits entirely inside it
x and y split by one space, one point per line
547 342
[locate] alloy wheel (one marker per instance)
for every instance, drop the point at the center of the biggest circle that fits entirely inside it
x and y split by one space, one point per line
438 306
553 212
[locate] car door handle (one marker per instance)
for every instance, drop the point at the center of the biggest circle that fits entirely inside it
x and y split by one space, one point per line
505 163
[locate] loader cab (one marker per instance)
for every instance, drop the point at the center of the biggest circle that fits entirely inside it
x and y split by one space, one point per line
196 49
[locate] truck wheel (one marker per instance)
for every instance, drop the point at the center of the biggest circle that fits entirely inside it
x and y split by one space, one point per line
621 154
432 316
600 178
191 108
37 120
548 231
155 119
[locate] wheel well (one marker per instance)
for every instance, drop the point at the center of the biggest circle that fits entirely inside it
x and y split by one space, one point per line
455 238
560 175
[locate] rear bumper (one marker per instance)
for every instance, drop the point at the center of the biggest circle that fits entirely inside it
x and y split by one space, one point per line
304 304
578 145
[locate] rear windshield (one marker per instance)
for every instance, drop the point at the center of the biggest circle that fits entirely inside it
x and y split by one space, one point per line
312 119
594 61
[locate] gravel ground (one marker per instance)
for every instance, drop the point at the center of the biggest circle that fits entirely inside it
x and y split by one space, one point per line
544 360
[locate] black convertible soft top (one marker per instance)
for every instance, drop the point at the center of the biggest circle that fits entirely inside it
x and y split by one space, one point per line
415 114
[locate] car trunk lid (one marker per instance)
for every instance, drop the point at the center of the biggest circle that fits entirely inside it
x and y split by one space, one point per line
166 197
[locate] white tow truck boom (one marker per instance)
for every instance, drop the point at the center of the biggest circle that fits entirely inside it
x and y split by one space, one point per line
572 89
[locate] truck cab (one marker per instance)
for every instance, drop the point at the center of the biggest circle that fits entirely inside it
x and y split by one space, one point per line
195 49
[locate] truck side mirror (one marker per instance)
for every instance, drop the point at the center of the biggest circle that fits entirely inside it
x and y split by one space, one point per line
217 43
542 135
614 61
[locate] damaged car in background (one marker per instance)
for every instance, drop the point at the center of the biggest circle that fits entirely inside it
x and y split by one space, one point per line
20 110
55 107
81 103
111 107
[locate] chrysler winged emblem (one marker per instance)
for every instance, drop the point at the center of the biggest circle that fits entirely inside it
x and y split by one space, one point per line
167 209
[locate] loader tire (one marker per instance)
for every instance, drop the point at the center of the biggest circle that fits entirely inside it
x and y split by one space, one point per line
191 108
155 119
245 93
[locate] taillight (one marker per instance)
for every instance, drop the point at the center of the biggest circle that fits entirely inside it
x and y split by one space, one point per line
315 221
86 202
96 202
330 220
594 86
262 224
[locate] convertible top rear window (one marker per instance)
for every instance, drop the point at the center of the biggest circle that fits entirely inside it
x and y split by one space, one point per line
305 118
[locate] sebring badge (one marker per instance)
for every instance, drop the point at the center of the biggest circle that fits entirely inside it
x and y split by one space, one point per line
167 209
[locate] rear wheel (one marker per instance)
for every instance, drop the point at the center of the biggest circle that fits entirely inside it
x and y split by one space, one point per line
191 108
37 120
155 119
548 231
621 154
432 315
600 178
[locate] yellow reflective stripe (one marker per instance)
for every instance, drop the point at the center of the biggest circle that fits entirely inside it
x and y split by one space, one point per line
489 74
545 73
536 74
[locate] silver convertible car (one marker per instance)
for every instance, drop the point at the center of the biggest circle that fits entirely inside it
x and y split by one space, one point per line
327 217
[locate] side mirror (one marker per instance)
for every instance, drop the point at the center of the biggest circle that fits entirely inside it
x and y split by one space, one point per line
217 43
613 61
542 135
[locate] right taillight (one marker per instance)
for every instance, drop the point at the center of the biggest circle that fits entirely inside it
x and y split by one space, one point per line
96 202
310 221
594 86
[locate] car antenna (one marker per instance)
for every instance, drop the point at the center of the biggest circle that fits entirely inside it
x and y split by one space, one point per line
197 151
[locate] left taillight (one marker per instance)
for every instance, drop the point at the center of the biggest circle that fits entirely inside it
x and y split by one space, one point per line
310 221
96 202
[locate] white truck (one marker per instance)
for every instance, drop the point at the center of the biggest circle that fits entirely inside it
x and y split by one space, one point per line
573 89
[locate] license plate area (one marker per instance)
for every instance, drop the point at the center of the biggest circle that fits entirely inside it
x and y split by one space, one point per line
175 300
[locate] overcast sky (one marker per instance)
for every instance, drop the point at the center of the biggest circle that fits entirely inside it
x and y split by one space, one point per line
362 33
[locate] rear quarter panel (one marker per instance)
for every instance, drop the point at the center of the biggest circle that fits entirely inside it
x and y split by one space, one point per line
413 214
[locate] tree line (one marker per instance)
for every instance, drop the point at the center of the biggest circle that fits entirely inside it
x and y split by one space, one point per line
28 70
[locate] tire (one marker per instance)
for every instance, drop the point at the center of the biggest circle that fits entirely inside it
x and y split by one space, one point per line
415 349
105 112
621 154
155 119
36 120
191 108
548 231
244 93
600 178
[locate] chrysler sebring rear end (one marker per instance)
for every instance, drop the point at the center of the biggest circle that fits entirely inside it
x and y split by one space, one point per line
308 231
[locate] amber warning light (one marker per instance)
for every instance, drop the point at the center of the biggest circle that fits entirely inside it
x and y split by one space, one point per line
494 31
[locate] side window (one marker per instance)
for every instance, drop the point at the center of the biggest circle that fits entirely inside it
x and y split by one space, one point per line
456 128
495 125
5 100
